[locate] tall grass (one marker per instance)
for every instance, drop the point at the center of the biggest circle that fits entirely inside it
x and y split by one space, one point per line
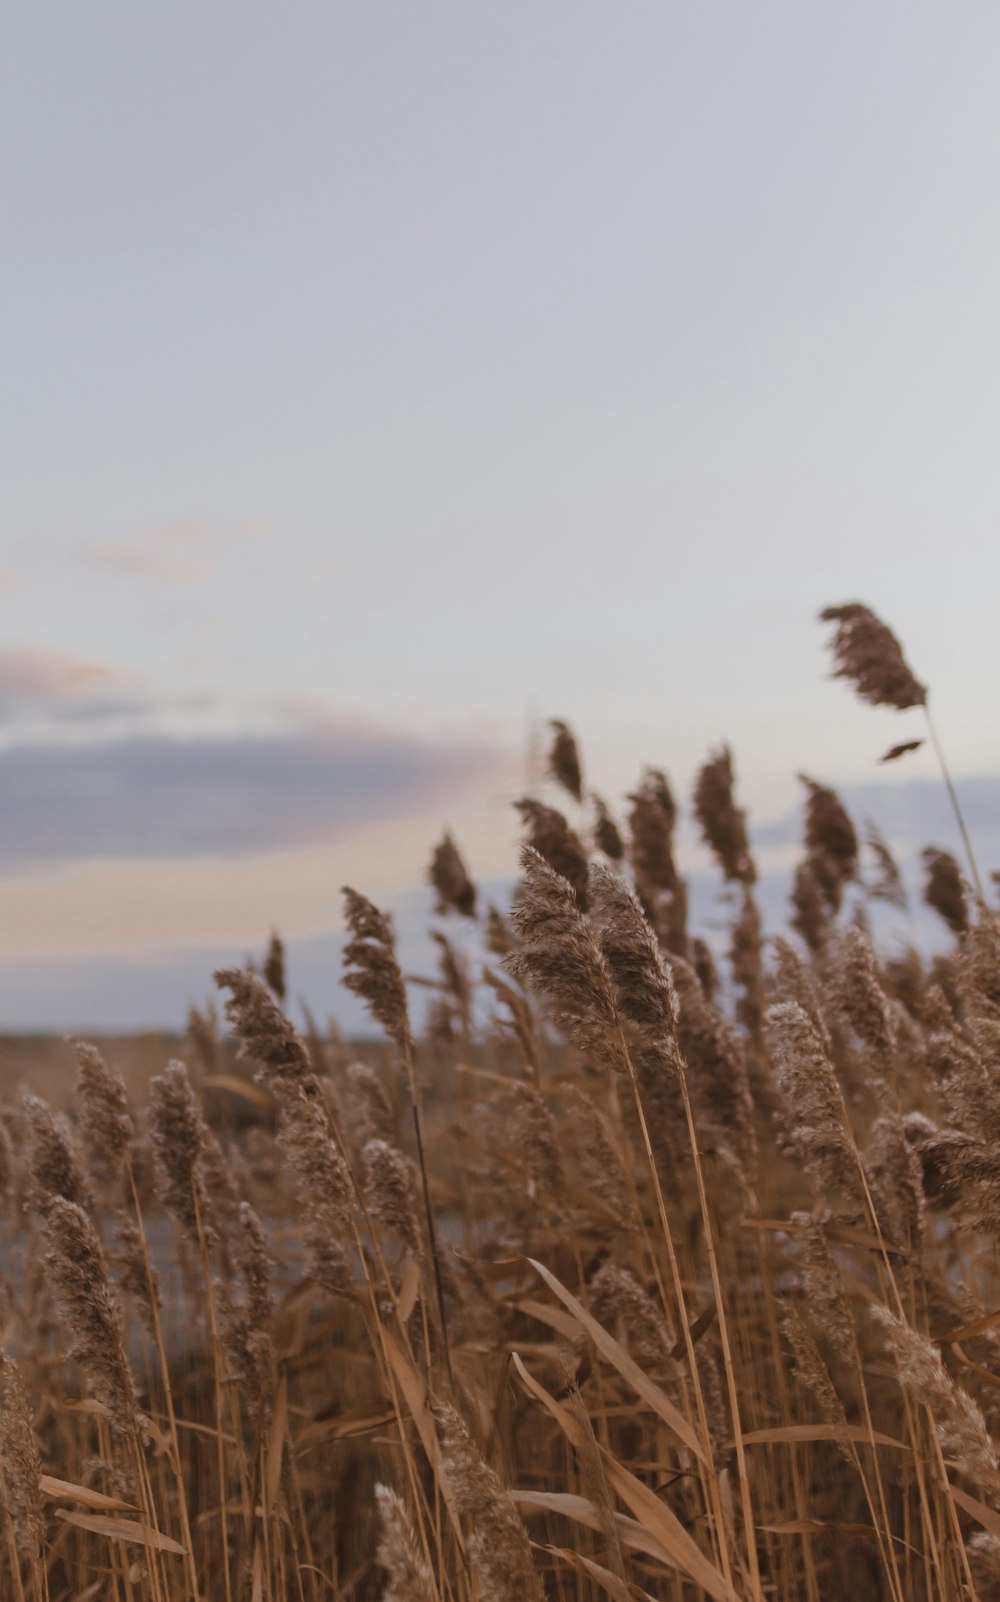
659 1283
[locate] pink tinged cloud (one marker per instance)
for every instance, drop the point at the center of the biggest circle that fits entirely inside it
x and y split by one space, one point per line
181 554
145 562
35 680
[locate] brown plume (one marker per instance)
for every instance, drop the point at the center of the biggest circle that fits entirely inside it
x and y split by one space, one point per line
447 873
564 759
723 824
551 836
944 890
371 969
869 656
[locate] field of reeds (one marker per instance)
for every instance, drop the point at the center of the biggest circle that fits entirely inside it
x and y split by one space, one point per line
638 1271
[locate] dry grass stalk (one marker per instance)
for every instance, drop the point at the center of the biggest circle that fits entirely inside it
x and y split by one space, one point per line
281 1383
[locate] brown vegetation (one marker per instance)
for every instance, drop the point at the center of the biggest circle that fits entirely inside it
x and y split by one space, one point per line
672 1282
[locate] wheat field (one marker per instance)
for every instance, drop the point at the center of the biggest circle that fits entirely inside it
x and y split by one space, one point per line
638 1271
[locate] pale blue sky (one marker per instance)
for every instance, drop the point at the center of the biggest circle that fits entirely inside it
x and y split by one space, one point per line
381 372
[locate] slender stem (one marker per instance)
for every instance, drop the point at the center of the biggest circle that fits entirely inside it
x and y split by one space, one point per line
954 802
431 1231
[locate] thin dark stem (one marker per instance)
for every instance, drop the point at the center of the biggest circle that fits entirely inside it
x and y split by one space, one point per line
954 802
428 1211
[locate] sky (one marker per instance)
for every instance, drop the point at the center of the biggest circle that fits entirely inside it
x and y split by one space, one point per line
386 379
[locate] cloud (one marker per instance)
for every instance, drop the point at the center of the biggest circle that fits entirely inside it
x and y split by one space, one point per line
180 554
911 814
147 562
95 992
33 682
9 576
158 797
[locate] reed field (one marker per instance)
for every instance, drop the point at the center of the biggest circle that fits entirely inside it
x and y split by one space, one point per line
642 1269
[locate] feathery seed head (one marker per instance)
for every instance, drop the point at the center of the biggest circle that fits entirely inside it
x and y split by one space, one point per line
274 967
643 988
93 1314
499 1546
945 889
652 817
564 759
958 1418
179 1137
723 824
263 1031
561 847
858 991
105 1121
888 885
560 958
831 842
449 877
869 656
817 1128
607 837
410 1580
20 1464
55 1169
390 1191
371 970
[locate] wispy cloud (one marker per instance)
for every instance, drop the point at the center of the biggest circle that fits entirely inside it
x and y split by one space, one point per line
910 813
36 682
183 553
154 796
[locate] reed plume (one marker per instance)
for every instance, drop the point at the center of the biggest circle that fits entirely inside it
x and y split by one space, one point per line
723 824
105 1120
816 1127
92 1311
179 1136
498 1546
263 1031
560 846
564 759
607 836
957 1416
869 656
371 970
888 884
559 957
831 842
449 877
944 890
410 1579
55 1168
274 968
20 1464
